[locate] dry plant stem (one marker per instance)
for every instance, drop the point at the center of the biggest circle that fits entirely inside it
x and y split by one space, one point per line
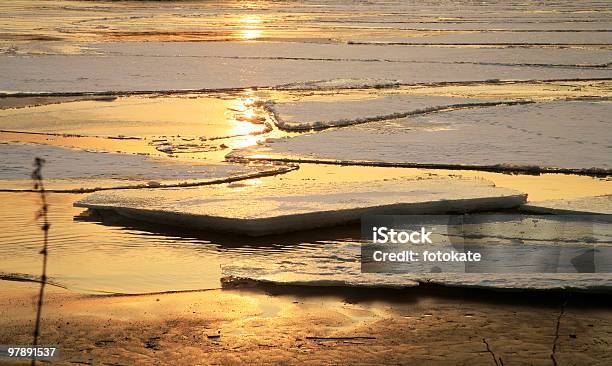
42 214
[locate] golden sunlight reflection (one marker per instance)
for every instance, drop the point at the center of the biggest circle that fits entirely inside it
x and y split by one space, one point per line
251 27
243 128
250 19
244 141
247 122
245 185
251 33
249 114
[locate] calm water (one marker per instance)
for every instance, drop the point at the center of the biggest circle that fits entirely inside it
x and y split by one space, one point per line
97 254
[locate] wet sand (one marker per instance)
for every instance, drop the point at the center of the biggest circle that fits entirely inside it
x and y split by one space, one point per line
314 326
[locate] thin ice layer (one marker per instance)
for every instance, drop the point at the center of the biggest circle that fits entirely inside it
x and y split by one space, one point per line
240 275
304 115
67 169
261 209
570 135
584 205
340 264
495 37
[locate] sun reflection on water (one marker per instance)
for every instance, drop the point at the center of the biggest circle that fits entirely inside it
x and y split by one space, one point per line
251 27
247 120
245 141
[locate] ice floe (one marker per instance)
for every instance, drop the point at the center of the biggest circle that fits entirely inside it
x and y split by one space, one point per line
338 263
78 170
113 73
306 115
328 53
585 205
564 136
261 209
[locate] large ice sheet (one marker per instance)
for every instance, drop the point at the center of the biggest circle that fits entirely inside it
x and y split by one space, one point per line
86 73
563 135
77 170
317 114
261 209
330 53
584 205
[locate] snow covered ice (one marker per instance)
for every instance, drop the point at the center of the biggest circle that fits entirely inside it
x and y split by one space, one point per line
277 208
568 135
